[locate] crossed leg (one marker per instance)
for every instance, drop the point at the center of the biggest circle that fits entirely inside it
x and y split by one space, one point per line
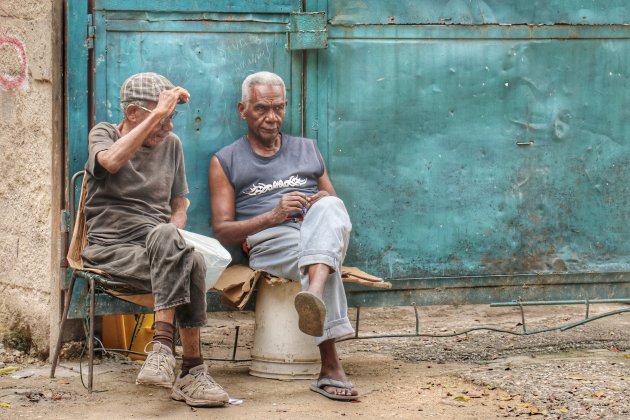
312 252
331 365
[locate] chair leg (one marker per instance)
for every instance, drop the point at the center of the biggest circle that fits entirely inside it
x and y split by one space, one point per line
62 324
91 335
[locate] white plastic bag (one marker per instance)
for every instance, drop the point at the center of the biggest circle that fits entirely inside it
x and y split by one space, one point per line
216 257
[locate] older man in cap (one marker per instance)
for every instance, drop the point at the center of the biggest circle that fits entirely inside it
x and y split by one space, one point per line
135 202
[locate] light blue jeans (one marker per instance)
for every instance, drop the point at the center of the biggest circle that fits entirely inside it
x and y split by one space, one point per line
289 249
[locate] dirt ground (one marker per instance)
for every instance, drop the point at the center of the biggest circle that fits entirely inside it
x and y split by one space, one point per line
583 372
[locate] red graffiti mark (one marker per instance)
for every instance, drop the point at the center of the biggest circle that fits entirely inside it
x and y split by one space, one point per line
14 82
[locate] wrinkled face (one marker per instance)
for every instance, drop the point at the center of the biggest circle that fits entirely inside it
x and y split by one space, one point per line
136 115
264 113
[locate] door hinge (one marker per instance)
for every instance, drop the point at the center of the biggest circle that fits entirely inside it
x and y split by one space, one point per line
307 30
89 40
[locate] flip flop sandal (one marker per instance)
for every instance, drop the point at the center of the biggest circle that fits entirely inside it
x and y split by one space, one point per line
311 312
319 385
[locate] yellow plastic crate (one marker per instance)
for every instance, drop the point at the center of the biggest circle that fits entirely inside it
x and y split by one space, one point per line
128 332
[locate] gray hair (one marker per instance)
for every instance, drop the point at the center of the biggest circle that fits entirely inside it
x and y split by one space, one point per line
265 78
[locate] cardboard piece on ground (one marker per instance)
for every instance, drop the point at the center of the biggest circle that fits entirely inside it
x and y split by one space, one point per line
237 283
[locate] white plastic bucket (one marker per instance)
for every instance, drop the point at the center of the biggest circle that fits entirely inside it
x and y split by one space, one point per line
281 350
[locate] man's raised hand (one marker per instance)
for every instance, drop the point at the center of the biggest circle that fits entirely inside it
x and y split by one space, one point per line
169 98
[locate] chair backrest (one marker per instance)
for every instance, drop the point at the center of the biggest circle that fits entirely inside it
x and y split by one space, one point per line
79 234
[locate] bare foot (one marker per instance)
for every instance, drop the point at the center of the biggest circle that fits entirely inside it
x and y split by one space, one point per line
332 369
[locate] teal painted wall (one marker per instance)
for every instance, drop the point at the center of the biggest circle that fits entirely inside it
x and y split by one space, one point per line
464 147
467 138
480 157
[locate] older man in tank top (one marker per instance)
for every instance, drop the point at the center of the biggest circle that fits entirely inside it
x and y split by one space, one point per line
271 192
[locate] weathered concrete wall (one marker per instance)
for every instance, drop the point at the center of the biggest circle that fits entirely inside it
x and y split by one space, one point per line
31 162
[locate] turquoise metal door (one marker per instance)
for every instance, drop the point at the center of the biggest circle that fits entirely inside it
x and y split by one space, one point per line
206 47
481 147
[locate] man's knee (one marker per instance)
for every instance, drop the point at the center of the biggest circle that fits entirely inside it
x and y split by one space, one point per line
329 204
164 241
334 210
163 231
198 260
199 268
332 201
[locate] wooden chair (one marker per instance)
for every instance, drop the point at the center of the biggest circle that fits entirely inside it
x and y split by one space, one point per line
98 282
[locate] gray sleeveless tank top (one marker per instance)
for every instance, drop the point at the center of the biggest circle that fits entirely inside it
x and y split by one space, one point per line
259 182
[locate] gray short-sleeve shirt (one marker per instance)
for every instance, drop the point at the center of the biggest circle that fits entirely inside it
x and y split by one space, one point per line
260 182
125 206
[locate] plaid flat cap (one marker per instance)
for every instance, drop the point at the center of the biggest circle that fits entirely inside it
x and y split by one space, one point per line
144 87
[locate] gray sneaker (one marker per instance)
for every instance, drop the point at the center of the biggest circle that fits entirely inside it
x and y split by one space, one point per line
198 389
158 367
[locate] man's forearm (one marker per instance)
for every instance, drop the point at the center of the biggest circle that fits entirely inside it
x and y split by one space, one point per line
233 232
179 205
126 147
179 219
